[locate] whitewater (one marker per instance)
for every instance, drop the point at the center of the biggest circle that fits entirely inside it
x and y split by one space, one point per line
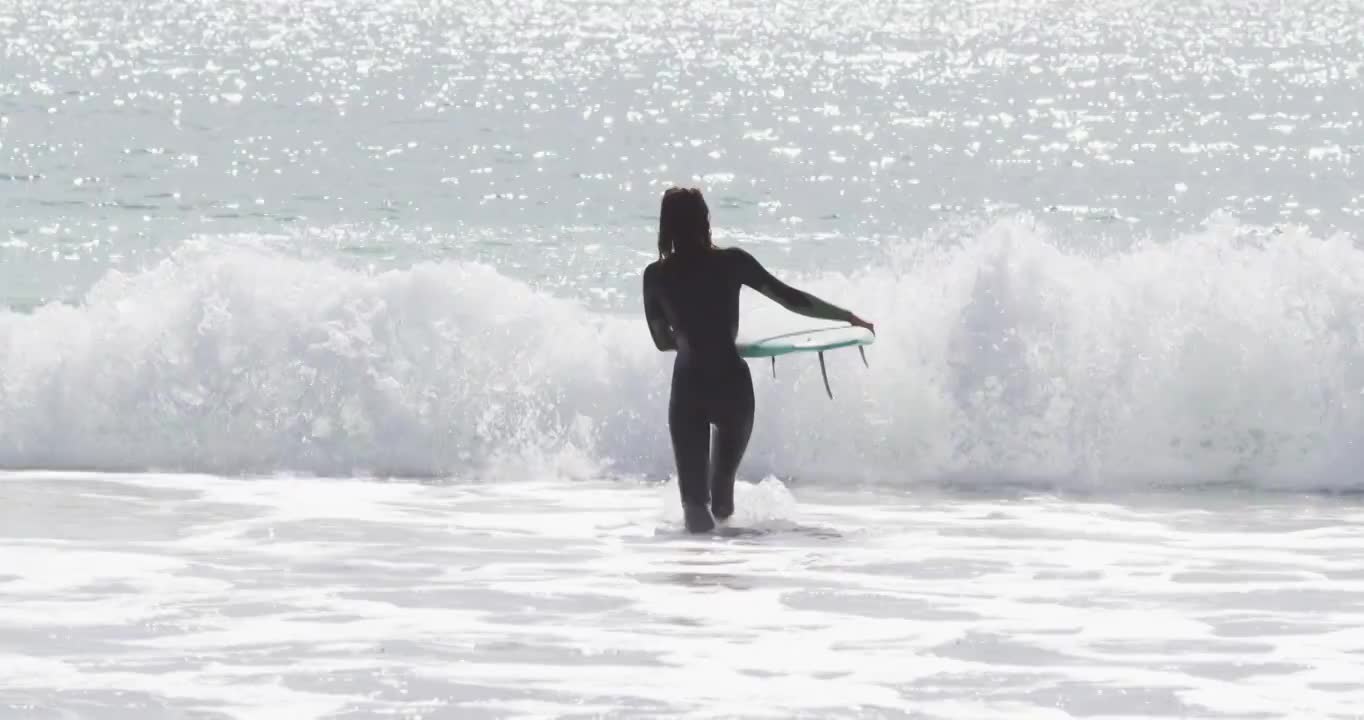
325 390
1002 357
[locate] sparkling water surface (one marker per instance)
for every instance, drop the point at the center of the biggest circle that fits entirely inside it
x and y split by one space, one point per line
539 134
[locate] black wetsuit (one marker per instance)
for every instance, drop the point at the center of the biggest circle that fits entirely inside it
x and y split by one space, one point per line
691 302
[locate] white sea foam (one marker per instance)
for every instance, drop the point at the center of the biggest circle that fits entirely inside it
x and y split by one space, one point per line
1003 353
164 596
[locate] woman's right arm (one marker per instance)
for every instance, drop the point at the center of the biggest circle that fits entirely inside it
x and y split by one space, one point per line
659 329
754 275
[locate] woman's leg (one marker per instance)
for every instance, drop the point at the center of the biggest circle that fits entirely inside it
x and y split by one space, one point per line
731 440
690 430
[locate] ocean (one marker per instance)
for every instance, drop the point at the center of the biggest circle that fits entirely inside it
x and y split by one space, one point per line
326 392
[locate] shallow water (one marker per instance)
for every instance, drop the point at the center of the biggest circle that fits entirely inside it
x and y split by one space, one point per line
143 596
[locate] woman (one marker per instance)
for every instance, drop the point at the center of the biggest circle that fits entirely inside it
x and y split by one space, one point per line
691 300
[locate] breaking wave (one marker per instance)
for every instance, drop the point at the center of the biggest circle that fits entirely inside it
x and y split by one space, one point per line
1229 356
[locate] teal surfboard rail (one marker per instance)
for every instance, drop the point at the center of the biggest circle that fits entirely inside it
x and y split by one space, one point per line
806 341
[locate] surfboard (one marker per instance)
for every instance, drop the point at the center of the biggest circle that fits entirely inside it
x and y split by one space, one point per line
817 341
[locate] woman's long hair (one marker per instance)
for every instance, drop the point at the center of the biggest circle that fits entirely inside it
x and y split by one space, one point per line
683 223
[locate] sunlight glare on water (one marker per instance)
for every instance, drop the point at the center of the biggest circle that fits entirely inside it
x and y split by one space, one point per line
398 130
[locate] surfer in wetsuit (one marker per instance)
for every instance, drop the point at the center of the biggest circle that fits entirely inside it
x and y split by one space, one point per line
691 301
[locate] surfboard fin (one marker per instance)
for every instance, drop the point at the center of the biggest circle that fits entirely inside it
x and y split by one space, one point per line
863 352
825 372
